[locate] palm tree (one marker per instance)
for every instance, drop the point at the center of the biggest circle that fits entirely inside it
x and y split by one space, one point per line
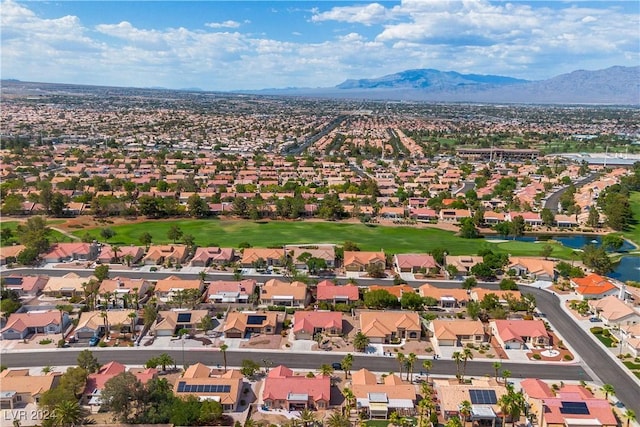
307 417
453 422
61 308
504 402
326 370
457 357
395 419
105 321
630 415
505 376
68 413
360 341
164 359
336 419
223 349
133 316
516 405
465 410
411 360
347 364
496 368
128 258
115 249
348 398
608 390
424 405
427 365
467 354
401 358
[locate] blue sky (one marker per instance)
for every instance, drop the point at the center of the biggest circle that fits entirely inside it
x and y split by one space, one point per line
228 45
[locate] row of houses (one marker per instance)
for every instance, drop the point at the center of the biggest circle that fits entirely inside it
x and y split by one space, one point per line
377 397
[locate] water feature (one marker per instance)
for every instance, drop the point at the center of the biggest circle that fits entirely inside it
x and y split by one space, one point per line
573 241
627 269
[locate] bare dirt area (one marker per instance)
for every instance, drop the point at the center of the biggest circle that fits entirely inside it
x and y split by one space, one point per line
266 342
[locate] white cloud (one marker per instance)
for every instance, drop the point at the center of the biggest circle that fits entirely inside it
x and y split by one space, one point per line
225 24
468 36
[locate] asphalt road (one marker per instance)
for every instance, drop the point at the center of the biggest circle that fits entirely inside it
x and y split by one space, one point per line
594 356
552 200
212 357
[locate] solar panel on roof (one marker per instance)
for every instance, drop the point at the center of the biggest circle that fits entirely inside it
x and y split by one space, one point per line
255 320
184 317
200 388
574 408
483 397
181 385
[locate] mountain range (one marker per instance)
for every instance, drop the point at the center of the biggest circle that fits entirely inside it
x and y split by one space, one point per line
615 86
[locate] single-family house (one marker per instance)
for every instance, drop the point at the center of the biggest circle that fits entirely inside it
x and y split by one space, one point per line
395 290
520 334
571 405
614 312
381 398
504 296
447 298
21 325
288 294
306 324
285 390
204 257
534 268
168 289
327 253
25 285
594 286
128 255
98 323
424 214
328 291
9 254
483 394
361 260
198 381
631 339
414 263
241 324
262 257
454 215
457 333
221 291
77 251
19 389
96 381
385 327
69 285
170 322
165 254
462 263
124 292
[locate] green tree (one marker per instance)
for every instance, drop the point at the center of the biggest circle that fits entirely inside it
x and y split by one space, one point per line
206 324
546 251
210 412
165 360
469 283
145 238
411 301
612 242
101 272
380 299
120 394
34 234
376 270
107 233
249 368
547 216
197 206
607 389
496 368
468 229
336 419
68 413
347 364
88 362
223 349
596 259
593 220
458 358
465 410
630 415
360 341
516 227
326 370
174 233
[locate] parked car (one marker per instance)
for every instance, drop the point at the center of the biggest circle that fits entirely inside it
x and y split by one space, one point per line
336 365
594 320
94 340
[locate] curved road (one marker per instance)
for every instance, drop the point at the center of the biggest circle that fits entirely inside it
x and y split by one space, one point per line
594 356
552 201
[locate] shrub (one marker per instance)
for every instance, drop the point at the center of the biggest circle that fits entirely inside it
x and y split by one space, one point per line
153 269
45 341
596 330
536 356
606 333
102 344
568 357
428 349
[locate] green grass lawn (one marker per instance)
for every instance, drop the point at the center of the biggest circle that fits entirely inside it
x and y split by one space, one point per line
633 233
607 341
277 233
54 237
